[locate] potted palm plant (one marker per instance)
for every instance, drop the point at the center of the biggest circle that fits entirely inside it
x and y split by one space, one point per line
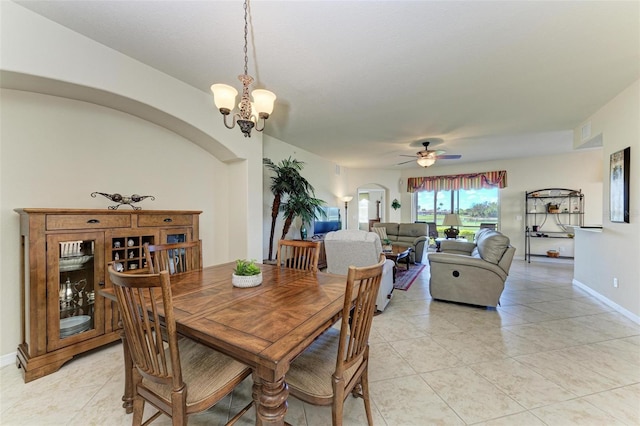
301 205
286 180
246 274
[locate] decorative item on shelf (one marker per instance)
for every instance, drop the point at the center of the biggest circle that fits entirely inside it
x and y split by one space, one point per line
451 220
395 204
250 112
130 242
553 253
246 274
124 200
553 208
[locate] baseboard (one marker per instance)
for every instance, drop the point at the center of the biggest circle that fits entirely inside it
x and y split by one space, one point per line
8 359
633 317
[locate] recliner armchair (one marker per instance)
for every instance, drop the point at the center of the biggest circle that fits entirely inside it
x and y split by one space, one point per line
352 247
472 273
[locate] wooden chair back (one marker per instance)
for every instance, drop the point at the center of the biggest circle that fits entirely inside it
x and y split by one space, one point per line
176 258
337 362
138 294
155 350
299 254
357 317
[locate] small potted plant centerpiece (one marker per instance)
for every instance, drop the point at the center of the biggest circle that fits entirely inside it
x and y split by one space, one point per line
246 274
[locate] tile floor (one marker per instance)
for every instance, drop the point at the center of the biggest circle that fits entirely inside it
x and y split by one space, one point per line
550 355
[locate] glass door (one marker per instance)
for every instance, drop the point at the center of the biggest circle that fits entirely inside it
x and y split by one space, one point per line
176 235
75 274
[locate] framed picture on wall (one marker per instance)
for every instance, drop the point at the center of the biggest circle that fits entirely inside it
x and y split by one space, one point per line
619 185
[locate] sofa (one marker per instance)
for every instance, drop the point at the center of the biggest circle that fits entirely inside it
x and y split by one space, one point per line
472 273
358 248
414 235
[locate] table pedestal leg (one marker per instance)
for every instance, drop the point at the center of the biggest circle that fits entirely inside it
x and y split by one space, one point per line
272 402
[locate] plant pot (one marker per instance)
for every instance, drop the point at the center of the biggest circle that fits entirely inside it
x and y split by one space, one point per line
246 280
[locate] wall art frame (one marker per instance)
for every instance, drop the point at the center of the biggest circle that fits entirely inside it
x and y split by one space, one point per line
619 172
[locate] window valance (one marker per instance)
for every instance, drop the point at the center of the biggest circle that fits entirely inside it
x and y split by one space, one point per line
454 182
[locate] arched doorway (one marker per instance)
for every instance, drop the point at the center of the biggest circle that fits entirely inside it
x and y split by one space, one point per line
371 202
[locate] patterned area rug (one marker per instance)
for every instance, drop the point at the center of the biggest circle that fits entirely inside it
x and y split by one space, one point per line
405 278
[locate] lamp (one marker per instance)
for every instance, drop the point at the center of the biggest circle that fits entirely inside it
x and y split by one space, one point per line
451 220
250 113
427 159
346 215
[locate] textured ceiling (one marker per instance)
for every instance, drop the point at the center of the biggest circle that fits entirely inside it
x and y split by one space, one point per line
362 82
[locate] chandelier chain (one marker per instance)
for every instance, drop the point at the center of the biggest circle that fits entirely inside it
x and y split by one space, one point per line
246 32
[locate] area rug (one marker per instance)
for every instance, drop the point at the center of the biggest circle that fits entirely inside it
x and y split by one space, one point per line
405 278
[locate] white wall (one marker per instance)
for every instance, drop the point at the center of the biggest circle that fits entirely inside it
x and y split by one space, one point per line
615 252
56 152
327 178
576 170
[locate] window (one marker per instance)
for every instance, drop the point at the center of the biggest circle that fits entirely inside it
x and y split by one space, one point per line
474 206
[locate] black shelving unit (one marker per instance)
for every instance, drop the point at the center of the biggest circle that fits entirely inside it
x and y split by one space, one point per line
551 213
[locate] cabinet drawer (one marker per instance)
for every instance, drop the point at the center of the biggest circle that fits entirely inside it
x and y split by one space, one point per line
87 221
165 220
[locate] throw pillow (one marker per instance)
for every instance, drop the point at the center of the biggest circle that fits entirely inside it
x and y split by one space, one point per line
382 233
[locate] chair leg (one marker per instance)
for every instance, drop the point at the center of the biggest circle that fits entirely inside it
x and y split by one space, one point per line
364 380
337 408
179 407
138 410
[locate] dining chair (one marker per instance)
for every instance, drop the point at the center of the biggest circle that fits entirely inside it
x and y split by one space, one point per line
174 257
489 226
299 254
337 363
178 376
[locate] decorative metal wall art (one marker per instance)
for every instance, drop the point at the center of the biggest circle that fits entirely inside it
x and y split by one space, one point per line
123 199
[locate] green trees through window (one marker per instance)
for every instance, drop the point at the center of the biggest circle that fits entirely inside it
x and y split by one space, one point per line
474 206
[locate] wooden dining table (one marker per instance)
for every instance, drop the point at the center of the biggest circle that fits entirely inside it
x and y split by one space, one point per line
264 327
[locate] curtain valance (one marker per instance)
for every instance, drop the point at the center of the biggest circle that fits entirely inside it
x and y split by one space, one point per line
454 182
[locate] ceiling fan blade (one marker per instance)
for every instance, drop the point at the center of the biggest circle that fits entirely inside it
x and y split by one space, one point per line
449 157
405 162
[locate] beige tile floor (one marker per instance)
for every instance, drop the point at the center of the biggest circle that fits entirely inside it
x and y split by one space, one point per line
550 355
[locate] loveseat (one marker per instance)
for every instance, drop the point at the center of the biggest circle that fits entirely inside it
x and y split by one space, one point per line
414 235
358 248
472 273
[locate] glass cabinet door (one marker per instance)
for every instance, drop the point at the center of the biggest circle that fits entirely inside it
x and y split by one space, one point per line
177 235
75 274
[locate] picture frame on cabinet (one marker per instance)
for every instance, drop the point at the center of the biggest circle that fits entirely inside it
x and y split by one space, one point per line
619 172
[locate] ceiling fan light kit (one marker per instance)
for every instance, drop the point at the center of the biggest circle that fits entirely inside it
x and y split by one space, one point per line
426 158
250 113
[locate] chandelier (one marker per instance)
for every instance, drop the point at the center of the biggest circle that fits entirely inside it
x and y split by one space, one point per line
250 113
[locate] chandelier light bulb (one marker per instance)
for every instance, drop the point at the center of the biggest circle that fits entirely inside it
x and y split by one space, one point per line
224 96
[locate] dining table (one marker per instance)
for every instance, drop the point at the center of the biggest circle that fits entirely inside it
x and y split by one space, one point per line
264 327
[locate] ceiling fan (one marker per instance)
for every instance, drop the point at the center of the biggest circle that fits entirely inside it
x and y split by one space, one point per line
426 158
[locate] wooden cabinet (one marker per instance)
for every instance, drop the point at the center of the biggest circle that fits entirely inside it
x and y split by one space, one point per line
64 258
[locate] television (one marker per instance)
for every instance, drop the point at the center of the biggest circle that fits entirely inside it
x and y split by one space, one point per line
328 222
